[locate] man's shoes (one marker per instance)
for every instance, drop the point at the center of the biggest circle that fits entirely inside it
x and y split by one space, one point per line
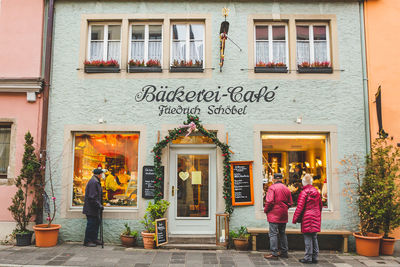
314 261
270 257
284 255
98 242
305 261
90 244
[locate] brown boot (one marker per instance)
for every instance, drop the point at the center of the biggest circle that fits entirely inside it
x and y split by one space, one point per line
271 257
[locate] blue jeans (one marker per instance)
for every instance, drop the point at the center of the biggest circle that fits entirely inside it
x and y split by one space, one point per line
275 230
311 245
92 229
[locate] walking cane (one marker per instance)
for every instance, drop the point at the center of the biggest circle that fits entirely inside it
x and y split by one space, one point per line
101 229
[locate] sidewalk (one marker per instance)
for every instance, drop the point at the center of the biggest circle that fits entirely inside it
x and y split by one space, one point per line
73 254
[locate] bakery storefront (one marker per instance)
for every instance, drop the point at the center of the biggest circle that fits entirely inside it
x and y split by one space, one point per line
284 91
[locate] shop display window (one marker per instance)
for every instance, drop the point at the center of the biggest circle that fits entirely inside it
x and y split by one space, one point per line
294 155
116 152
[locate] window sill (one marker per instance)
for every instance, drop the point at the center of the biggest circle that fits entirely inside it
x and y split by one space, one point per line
95 69
270 69
186 69
315 70
143 69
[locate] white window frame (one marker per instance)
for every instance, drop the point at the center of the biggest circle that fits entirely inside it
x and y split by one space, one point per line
105 39
187 39
311 40
146 39
270 42
71 191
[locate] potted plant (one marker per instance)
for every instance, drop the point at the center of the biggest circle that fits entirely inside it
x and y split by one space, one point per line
270 67
101 66
46 235
128 237
24 203
384 163
187 66
152 65
315 67
154 211
240 238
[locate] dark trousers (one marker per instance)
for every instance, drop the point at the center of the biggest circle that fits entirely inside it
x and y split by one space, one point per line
92 229
311 245
275 230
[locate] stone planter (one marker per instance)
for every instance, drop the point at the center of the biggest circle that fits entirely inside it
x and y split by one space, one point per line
241 243
135 69
368 245
128 240
148 240
24 239
186 69
387 246
314 70
46 236
96 69
270 70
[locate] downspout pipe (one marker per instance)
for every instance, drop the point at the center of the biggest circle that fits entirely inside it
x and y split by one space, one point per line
365 78
45 95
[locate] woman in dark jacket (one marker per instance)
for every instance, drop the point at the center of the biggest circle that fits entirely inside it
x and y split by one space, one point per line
308 212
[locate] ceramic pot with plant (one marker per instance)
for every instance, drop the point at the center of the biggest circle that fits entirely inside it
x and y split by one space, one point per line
24 203
128 237
240 238
154 211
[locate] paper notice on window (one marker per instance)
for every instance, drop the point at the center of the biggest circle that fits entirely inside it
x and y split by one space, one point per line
196 177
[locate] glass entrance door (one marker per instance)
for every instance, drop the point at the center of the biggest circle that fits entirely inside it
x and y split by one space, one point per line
192 191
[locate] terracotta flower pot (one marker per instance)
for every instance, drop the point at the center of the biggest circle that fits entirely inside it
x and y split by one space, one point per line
387 246
241 243
128 240
148 240
368 245
46 236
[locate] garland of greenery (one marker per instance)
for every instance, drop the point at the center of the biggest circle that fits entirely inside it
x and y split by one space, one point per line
174 134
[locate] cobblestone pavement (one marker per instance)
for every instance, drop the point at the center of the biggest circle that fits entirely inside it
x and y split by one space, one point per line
113 255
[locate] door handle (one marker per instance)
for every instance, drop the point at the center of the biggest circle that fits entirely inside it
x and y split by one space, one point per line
173 190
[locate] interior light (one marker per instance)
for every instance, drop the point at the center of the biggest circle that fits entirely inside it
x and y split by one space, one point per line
307 164
293 136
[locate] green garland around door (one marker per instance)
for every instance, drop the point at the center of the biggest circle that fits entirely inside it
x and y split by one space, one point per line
193 124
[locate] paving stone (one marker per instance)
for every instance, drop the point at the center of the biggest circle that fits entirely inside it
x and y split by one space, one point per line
111 260
342 265
142 265
78 258
55 263
371 263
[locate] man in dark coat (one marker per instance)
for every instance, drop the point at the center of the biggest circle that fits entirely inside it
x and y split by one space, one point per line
92 208
277 203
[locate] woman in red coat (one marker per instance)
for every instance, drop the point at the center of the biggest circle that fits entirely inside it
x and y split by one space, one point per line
308 212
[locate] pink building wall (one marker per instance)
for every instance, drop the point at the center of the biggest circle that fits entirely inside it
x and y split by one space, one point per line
21 36
21 25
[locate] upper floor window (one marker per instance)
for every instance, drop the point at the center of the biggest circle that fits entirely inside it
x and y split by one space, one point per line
313 44
104 42
146 43
271 46
5 134
187 45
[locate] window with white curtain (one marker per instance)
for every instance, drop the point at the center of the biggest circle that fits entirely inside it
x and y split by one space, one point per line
146 42
271 44
312 43
104 42
5 134
187 43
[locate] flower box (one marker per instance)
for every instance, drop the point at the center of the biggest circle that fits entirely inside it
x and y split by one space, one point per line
137 69
98 69
270 69
314 69
186 69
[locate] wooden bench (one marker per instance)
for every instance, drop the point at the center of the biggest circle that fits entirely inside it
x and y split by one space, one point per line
344 233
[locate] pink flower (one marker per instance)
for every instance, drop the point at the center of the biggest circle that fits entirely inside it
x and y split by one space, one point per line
48 218
53 198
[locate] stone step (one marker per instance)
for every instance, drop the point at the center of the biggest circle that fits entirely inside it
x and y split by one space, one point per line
192 246
191 239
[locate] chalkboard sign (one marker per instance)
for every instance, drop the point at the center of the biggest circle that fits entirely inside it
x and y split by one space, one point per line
148 181
242 183
161 232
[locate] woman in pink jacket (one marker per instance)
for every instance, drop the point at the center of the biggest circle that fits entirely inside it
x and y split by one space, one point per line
308 212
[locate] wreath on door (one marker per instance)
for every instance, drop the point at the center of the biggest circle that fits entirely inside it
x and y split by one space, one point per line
192 124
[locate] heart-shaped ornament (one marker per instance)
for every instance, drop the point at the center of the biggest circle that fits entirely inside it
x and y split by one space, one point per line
184 175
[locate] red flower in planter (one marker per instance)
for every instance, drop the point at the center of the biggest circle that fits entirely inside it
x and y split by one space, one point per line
153 63
315 64
102 63
270 64
136 63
